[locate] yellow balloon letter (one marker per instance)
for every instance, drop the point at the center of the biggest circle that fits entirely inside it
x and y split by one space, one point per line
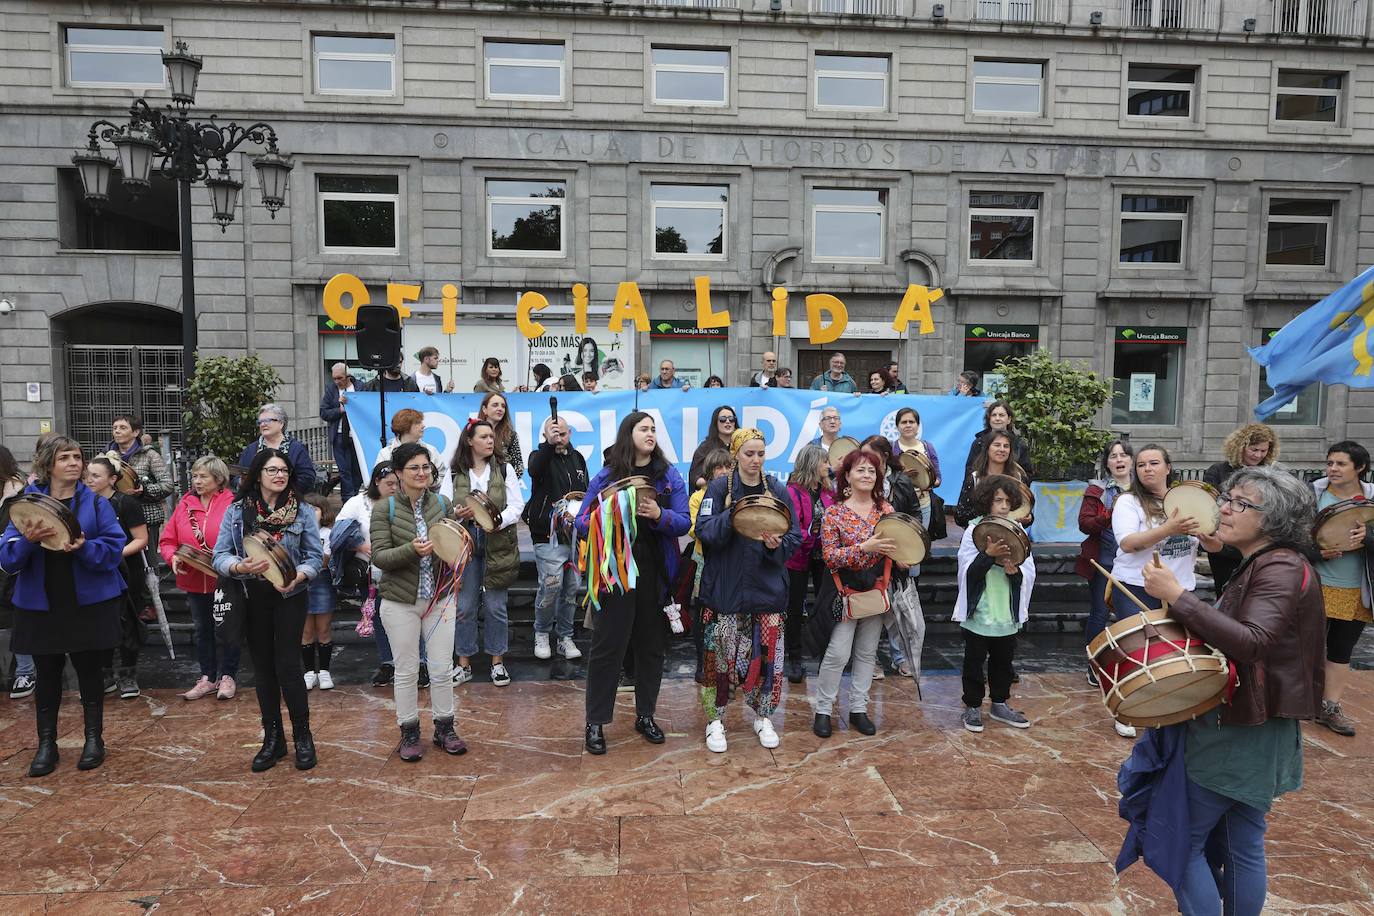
341 285
817 303
779 312
398 294
916 306
530 302
708 317
628 304
449 292
580 301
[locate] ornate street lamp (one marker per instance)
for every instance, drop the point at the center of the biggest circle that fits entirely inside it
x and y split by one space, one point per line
183 149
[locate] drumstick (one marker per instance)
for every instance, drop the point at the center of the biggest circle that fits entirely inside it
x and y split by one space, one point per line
1129 594
1160 565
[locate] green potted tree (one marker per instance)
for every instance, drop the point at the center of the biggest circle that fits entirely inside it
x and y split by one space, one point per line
221 415
1056 406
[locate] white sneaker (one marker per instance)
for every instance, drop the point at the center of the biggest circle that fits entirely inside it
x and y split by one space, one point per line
1124 730
767 736
541 645
568 649
500 676
326 682
715 737
311 679
462 674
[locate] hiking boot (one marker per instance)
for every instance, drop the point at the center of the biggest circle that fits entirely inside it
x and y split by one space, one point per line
446 738
411 749
1334 718
127 681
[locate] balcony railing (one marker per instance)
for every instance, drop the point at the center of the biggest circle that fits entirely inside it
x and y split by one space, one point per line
1175 14
1318 18
859 7
695 4
1016 10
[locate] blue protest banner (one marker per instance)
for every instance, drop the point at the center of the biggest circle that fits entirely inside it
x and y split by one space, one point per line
1056 511
789 419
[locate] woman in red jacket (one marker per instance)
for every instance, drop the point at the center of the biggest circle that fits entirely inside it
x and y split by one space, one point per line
1095 520
195 523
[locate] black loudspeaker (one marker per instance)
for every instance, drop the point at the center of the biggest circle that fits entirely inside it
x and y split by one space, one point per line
378 337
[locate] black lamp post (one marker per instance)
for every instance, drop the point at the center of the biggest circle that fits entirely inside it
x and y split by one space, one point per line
184 149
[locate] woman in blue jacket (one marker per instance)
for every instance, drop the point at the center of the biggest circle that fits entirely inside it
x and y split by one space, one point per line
272 435
273 618
633 616
743 596
67 601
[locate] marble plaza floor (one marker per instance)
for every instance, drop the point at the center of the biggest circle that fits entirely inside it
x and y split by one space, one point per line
924 817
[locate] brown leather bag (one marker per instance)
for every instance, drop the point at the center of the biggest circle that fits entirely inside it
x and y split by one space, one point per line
868 602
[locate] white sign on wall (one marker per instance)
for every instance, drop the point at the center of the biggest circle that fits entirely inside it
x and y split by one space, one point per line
461 355
609 355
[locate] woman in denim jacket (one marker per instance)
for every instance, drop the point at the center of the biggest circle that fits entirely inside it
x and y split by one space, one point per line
273 617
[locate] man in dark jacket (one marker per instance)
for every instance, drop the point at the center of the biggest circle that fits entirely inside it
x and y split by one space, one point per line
556 469
332 412
392 380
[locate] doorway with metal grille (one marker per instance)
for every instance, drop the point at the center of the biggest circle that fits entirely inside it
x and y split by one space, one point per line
105 381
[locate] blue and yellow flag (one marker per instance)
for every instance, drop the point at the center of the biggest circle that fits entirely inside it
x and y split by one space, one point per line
1328 342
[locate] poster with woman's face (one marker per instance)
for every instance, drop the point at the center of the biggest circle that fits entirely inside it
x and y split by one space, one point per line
605 355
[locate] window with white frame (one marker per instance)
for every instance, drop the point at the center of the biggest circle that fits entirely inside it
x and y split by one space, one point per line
1009 87
114 58
848 82
526 218
359 213
1001 225
355 64
691 76
847 224
690 220
1154 230
1299 233
1160 91
1304 95
525 71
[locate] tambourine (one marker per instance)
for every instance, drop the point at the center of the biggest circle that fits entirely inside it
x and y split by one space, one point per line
31 510
907 532
1332 528
126 478
484 511
259 545
1006 530
1195 500
840 448
918 468
452 542
643 487
197 559
565 510
758 515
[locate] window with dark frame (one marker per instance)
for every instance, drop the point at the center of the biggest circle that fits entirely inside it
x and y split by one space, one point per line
149 223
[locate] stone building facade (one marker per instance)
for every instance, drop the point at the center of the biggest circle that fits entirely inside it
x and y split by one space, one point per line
1149 187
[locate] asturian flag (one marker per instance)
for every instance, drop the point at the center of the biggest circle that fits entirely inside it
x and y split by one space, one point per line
1328 342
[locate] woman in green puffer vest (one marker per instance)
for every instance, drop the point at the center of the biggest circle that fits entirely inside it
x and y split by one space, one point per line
496 554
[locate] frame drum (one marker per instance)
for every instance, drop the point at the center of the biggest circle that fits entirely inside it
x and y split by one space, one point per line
841 447
199 560
126 478
484 511
259 545
38 509
1007 530
565 510
1027 508
918 468
452 542
1332 528
913 543
644 488
1195 500
758 515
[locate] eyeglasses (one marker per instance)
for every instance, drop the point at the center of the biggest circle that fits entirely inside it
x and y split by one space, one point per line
1237 504
277 472
262 420
419 468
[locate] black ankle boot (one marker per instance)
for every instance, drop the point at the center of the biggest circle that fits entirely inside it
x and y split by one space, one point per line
93 754
820 726
273 748
647 727
862 723
305 748
596 740
45 760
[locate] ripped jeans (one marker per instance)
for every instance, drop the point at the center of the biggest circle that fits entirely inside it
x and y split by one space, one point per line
556 599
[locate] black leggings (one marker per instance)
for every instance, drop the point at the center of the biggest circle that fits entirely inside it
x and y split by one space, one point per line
273 626
796 616
89 677
1341 636
628 625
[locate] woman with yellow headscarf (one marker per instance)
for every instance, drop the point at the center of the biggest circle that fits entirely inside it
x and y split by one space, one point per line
743 596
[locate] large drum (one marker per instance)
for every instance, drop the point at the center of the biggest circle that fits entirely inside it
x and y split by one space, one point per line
452 542
484 511
1026 511
758 515
918 468
198 559
1332 529
38 510
1006 530
907 532
1195 500
259 545
1153 672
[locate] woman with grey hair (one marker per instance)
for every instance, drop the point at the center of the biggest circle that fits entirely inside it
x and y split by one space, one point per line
272 422
1270 623
808 487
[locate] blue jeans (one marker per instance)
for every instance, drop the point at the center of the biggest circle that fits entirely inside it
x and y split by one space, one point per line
384 654
350 476
207 643
556 598
1097 607
492 601
23 666
1235 879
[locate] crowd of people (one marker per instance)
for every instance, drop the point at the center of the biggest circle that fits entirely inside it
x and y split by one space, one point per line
262 558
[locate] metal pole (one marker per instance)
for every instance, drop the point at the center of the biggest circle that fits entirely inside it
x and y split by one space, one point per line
188 289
